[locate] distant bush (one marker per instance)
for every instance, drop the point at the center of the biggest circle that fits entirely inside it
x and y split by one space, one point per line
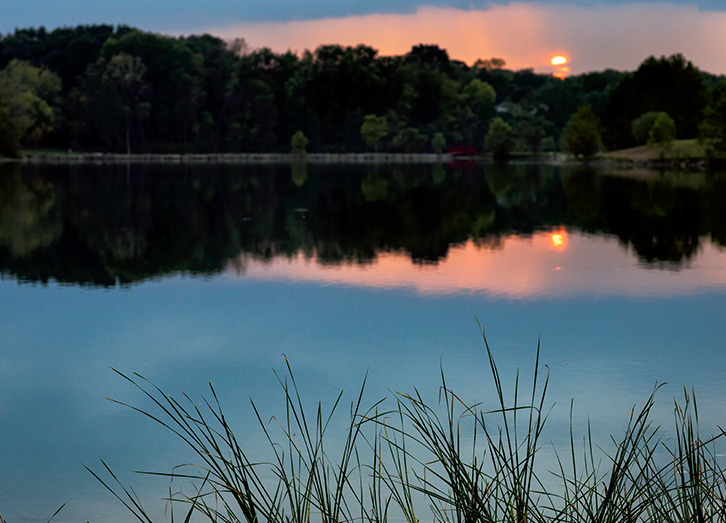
410 140
298 142
663 133
548 144
499 139
374 129
581 136
642 125
438 143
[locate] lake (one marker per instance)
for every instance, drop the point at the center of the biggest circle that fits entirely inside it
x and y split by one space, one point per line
211 273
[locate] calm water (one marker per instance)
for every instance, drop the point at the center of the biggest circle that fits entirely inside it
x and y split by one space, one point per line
211 273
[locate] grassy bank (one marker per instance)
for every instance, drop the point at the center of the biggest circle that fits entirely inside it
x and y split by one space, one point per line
402 459
681 150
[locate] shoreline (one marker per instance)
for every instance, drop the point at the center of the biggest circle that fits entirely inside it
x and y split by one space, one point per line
555 158
241 158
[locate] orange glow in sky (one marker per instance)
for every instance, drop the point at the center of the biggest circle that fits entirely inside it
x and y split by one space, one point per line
558 60
525 34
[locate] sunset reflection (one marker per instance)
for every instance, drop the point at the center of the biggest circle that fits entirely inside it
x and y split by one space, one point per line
548 263
558 240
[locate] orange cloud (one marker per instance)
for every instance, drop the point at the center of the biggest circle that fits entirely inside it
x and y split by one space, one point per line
547 264
524 34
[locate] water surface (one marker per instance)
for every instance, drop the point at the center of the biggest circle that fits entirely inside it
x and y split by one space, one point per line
211 273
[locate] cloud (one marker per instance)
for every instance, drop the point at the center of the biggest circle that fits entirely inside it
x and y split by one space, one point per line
524 34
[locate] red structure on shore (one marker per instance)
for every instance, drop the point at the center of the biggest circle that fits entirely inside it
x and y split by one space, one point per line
462 151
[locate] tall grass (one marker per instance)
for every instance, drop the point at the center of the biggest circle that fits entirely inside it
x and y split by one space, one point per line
407 459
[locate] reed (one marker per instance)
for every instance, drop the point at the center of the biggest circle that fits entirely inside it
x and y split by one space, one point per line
404 459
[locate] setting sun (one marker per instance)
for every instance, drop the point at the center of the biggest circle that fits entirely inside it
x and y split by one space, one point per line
558 60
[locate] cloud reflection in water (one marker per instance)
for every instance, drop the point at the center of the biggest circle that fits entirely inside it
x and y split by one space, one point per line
547 263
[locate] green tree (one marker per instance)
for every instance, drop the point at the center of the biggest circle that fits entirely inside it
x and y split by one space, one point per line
499 139
374 129
581 135
532 130
173 73
9 137
642 125
479 94
548 144
298 142
67 51
126 74
410 140
663 133
438 143
673 85
27 92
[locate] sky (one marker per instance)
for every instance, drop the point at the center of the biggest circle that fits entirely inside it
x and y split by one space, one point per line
594 35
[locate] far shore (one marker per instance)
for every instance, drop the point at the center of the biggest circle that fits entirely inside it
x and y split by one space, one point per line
243 158
684 154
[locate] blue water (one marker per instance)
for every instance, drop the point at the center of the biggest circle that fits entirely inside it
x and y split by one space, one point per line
222 271
180 332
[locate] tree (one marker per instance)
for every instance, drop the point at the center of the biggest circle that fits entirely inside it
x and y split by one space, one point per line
126 74
499 139
438 143
374 129
713 128
479 94
26 92
532 130
67 51
9 137
410 140
642 125
663 133
673 85
548 144
174 71
581 135
298 142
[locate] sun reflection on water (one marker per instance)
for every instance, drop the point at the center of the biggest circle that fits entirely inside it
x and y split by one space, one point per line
555 262
558 240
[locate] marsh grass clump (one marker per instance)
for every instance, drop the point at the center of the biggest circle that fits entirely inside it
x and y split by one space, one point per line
230 486
409 459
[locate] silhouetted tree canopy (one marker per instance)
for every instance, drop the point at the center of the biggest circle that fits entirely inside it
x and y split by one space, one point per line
203 94
672 85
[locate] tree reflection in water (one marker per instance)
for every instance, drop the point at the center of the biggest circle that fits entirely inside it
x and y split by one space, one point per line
101 225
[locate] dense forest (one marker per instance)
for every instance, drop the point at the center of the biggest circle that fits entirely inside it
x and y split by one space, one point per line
104 225
107 88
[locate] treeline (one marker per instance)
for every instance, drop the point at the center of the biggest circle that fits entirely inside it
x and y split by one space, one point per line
121 89
97 226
